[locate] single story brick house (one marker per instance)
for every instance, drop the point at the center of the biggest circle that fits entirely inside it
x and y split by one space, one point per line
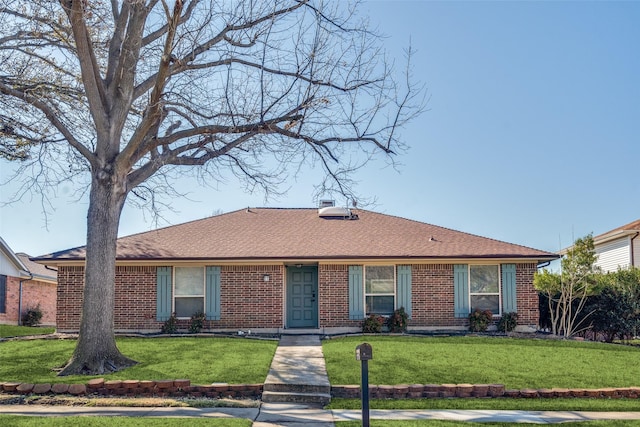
25 285
275 270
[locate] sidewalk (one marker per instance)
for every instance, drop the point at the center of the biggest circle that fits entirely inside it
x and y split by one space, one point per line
483 416
292 415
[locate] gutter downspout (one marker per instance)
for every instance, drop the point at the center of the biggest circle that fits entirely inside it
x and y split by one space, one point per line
51 268
632 254
20 298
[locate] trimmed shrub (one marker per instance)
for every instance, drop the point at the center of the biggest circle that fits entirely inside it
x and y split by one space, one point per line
373 324
616 311
170 326
508 322
32 316
479 320
397 322
197 322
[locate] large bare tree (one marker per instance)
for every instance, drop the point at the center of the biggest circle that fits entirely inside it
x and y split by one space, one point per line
133 93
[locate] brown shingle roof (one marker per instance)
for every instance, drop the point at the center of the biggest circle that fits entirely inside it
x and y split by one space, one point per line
38 270
274 233
631 227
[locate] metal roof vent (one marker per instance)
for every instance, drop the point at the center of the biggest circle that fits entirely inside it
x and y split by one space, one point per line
336 212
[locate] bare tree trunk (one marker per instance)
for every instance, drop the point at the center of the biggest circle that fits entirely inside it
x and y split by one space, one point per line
552 315
96 351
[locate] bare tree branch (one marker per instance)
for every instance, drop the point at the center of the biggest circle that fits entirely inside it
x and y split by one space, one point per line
121 97
51 116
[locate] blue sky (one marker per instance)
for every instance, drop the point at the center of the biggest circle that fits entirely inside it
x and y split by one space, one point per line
532 133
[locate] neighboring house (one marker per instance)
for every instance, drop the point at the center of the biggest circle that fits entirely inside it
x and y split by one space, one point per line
323 271
619 248
24 285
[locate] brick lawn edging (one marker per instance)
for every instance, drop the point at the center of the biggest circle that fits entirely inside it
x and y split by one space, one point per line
417 391
135 388
183 388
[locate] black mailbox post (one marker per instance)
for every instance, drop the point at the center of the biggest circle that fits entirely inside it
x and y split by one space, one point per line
364 353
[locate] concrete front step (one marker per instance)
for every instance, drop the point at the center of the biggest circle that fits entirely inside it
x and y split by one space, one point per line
293 397
297 388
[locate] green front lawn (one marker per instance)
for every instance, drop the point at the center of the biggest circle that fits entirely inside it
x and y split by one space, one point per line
516 363
21 331
202 360
22 421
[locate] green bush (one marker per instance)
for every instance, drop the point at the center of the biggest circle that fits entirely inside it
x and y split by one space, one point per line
32 316
373 324
508 322
197 322
397 322
616 310
479 320
170 326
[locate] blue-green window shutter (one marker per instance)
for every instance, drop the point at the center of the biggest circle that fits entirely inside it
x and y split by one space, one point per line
509 304
212 293
461 290
356 289
404 288
164 288
3 293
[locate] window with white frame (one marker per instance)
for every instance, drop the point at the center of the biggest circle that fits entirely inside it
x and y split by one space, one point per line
484 288
380 289
188 291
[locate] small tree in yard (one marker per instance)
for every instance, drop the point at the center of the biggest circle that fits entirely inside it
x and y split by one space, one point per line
567 291
120 97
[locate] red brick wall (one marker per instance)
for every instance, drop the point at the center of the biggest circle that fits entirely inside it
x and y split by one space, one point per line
432 299
10 316
34 293
333 293
526 295
135 307
70 283
247 301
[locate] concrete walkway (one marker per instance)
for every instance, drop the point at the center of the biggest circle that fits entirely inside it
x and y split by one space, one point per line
298 373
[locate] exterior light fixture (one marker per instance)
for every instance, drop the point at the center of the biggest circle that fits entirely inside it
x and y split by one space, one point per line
266 278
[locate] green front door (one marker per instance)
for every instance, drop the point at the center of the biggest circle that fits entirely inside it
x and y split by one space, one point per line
302 301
